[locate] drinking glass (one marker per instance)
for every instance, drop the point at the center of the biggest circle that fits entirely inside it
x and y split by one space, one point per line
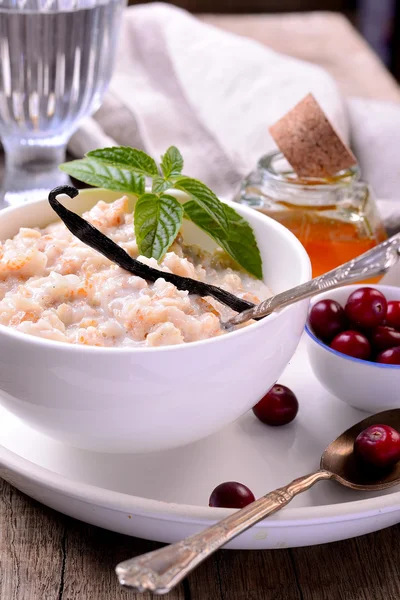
56 60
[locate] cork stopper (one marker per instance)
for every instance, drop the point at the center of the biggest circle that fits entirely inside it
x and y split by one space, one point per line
310 143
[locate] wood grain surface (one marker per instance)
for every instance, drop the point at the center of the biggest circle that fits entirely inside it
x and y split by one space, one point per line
47 556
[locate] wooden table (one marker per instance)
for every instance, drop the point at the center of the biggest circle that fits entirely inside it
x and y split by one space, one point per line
47 556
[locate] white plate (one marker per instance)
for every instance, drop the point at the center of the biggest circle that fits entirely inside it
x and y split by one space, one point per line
164 496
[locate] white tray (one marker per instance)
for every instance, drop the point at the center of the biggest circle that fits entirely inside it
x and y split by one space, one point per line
164 496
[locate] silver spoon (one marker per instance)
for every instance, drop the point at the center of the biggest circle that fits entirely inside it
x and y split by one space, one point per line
374 262
163 569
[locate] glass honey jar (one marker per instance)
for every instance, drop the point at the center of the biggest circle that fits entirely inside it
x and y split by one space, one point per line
335 219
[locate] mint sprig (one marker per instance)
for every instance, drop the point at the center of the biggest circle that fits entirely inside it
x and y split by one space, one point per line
158 219
102 175
158 216
171 163
161 185
240 242
205 199
124 157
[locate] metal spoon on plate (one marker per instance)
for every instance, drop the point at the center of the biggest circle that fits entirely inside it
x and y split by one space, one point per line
370 264
161 570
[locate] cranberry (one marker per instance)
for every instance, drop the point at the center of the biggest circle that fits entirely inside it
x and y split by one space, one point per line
327 319
378 445
393 314
278 407
366 307
389 357
231 494
353 344
383 338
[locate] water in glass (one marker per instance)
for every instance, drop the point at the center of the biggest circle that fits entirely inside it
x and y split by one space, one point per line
56 59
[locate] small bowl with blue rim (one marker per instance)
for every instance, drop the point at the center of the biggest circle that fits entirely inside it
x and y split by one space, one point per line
363 384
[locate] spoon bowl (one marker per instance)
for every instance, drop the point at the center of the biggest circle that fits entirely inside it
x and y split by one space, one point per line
339 459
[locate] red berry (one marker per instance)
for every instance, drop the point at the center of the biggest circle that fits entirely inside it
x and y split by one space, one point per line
231 494
393 314
327 319
366 307
383 338
378 445
278 407
353 344
389 357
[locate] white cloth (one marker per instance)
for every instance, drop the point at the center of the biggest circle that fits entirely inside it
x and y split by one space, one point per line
214 94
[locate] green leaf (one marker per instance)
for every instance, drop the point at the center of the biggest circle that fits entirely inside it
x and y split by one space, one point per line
124 157
160 185
172 162
157 222
158 216
240 242
99 175
204 198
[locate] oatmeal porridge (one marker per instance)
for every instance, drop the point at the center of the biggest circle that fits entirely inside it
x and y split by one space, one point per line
54 286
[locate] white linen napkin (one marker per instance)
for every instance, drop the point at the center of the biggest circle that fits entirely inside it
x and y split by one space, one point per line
213 94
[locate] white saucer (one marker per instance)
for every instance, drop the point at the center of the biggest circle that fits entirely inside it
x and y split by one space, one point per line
164 496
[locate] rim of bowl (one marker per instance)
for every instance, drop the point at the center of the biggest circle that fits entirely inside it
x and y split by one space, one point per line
305 275
312 335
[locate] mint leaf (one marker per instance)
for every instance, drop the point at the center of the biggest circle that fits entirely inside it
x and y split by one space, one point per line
100 175
158 216
160 185
124 157
240 242
157 222
172 162
204 198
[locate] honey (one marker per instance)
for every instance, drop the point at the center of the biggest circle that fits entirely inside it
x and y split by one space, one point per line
328 242
335 219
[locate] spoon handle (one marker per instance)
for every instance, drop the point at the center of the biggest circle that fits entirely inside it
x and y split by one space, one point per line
374 262
161 570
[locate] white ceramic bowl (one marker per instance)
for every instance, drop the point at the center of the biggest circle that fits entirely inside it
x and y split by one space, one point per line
366 385
146 399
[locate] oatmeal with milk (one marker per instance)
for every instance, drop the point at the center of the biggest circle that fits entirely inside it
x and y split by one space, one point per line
54 286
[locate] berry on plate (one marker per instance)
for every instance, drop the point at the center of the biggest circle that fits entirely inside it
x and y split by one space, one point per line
231 494
278 407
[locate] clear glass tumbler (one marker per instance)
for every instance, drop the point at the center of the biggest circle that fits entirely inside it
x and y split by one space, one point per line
56 60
